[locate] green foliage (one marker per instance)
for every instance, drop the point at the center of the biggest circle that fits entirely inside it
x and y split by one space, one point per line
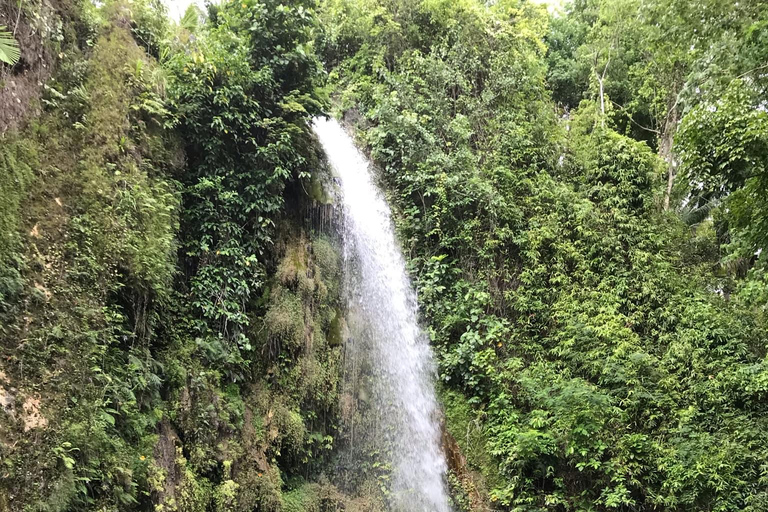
285 322
723 147
316 497
192 18
149 25
654 67
106 265
17 161
585 358
244 114
467 427
100 252
567 73
179 334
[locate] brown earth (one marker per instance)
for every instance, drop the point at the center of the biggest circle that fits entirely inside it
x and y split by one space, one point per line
21 85
471 481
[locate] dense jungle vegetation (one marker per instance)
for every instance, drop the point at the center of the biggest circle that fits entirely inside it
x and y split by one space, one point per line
581 196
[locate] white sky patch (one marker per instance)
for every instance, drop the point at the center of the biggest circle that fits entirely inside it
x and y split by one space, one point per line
177 8
552 5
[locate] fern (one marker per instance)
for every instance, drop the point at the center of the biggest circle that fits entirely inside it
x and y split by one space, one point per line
9 47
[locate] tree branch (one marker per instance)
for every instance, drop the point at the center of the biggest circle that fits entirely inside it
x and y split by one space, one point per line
758 68
18 17
657 132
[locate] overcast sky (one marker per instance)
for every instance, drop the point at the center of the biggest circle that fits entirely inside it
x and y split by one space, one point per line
177 7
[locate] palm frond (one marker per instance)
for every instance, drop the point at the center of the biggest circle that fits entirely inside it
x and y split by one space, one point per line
694 212
9 47
192 18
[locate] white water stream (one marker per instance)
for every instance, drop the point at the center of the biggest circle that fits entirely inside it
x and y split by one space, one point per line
383 310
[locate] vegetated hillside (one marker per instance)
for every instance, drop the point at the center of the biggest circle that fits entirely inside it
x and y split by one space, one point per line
580 199
169 333
595 289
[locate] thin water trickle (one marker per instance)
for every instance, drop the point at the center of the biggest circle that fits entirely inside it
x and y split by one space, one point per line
383 318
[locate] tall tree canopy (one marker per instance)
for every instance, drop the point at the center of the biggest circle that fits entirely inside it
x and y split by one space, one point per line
584 341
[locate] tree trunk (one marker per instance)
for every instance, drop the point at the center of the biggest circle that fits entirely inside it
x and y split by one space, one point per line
602 96
665 151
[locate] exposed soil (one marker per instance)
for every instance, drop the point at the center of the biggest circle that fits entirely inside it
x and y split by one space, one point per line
471 481
22 84
31 416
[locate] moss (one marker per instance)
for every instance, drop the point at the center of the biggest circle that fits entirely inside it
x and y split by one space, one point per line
336 329
260 490
316 381
290 424
18 158
258 427
320 496
327 258
285 319
293 264
318 189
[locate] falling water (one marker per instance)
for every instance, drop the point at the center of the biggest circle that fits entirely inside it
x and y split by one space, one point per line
383 310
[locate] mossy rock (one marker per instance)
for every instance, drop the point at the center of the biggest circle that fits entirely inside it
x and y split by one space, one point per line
336 329
318 189
285 319
293 265
326 257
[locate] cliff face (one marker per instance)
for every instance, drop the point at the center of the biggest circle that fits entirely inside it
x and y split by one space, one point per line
114 394
46 31
88 246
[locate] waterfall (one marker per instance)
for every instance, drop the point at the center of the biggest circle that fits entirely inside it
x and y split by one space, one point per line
383 319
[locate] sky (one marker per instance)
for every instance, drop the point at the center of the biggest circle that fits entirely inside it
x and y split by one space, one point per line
552 5
176 8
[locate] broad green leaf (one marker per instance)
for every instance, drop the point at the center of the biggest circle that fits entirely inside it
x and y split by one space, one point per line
9 47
